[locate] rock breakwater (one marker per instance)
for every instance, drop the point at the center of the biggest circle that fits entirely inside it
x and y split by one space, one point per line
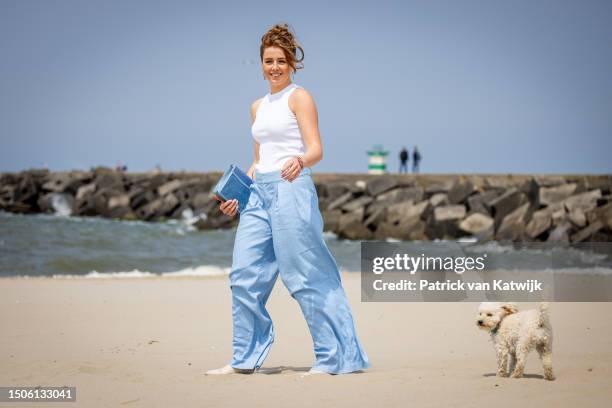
559 208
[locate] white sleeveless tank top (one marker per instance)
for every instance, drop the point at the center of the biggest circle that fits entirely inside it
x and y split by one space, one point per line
277 131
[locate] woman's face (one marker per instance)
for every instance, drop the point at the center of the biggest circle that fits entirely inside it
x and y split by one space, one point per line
275 66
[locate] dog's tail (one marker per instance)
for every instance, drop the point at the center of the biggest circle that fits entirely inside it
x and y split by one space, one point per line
544 314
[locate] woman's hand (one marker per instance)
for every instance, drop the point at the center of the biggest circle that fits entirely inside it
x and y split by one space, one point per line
292 168
229 207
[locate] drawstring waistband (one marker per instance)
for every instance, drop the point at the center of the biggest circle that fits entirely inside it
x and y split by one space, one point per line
275 176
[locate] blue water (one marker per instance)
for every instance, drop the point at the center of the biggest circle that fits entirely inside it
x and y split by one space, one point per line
52 245
47 245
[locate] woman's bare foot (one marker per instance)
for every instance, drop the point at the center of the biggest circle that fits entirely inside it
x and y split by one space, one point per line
312 371
228 369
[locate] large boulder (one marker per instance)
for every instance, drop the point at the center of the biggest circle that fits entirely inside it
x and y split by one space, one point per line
479 225
577 218
58 182
604 214
442 222
438 199
397 195
499 183
7 192
512 227
405 212
85 190
439 187
504 204
476 202
107 179
587 231
357 203
154 181
332 191
376 217
350 226
140 197
407 230
374 206
551 195
122 200
540 222
340 201
549 181
460 192
119 207
25 197
585 201
169 187
378 185
158 208
449 213
401 221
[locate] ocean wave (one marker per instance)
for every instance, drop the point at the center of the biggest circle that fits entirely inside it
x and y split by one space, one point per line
105 275
330 235
198 271
467 240
491 247
204 270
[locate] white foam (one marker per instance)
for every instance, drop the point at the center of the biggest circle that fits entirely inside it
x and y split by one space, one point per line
589 257
330 235
198 271
491 247
467 240
60 205
581 271
190 218
204 270
105 275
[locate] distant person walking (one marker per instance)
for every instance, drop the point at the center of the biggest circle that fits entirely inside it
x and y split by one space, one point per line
416 160
403 156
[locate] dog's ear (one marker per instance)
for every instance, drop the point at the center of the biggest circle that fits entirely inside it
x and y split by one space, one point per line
509 308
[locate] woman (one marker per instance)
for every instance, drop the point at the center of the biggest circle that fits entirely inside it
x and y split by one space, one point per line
281 228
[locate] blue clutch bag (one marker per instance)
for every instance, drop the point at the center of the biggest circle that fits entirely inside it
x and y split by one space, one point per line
234 184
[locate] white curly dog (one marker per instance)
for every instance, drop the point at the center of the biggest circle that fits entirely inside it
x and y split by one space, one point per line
515 334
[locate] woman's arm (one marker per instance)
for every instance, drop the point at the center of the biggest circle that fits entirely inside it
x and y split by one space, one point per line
230 207
251 171
303 105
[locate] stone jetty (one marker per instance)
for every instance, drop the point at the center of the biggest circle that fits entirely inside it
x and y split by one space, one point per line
558 208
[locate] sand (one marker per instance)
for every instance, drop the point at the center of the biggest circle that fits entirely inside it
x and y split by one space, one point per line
147 342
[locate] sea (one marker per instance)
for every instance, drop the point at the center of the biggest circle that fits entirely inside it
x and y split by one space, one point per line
63 246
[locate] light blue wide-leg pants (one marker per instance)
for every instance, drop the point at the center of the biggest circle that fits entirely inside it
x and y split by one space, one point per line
281 230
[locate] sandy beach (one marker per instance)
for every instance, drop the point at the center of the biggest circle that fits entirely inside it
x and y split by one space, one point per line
147 342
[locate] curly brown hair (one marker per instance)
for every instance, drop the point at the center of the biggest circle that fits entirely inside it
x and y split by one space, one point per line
281 36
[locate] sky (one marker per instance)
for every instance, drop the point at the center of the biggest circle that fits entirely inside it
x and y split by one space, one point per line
480 86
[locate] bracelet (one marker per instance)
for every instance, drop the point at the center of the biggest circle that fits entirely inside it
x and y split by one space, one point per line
299 159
